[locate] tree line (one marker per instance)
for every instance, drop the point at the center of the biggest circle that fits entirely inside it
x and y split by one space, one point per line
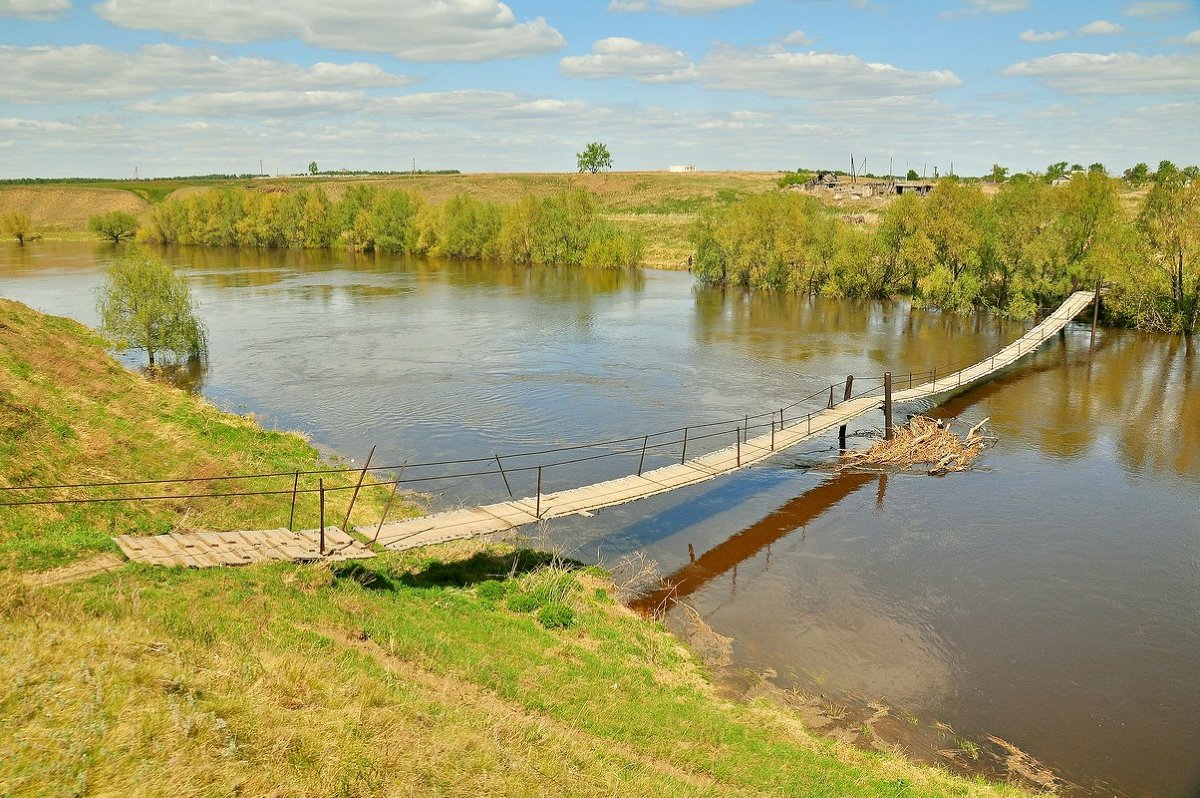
562 230
1028 245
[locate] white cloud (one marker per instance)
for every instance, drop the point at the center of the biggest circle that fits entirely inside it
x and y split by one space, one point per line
618 57
89 72
1101 27
799 37
270 104
38 10
447 30
680 7
780 73
1116 73
987 7
1192 38
1156 9
1048 36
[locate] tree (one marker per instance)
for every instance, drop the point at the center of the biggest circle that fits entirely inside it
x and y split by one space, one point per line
114 224
17 224
313 168
1170 226
144 304
912 175
1137 175
1056 170
999 173
595 156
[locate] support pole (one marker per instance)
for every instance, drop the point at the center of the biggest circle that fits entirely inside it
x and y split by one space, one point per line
292 514
683 455
772 432
887 405
321 531
386 508
842 429
830 397
503 476
357 488
539 494
642 462
1095 316
739 448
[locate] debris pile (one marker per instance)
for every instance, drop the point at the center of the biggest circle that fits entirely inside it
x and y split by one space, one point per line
923 441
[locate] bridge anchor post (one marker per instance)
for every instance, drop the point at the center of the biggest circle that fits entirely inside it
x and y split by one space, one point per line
321 532
887 405
846 395
1095 316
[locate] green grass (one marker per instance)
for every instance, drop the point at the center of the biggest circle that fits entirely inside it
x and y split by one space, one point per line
387 677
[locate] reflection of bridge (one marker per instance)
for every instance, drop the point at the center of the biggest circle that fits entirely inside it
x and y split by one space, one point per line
745 451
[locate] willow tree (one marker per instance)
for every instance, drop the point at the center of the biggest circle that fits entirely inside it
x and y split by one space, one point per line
1170 225
144 304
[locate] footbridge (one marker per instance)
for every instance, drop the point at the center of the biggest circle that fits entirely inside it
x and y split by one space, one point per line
757 439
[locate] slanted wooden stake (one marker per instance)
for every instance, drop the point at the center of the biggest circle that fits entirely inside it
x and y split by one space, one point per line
887 405
842 429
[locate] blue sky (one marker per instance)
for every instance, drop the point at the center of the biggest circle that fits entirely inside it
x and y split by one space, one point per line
170 87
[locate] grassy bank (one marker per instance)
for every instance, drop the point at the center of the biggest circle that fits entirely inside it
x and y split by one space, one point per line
70 414
465 670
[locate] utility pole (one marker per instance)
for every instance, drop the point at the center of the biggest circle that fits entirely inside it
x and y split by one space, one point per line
260 168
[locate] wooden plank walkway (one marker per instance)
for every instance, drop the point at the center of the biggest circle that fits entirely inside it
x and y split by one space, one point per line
503 516
209 549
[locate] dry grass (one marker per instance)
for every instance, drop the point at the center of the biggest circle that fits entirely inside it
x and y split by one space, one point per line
66 208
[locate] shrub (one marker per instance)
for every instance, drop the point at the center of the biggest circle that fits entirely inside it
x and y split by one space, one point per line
556 616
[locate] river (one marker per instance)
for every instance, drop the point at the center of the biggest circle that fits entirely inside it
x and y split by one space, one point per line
1049 599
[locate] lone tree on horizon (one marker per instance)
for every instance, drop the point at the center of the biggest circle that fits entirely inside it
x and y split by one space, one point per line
144 304
594 158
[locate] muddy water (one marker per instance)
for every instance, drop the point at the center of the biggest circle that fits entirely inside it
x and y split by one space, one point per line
1050 599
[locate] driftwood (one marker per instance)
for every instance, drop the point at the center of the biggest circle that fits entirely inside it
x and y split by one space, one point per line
923 441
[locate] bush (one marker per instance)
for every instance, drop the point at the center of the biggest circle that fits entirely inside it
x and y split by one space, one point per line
522 602
556 616
490 591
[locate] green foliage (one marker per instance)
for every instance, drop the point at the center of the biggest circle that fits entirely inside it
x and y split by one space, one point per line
563 230
556 616
912 175
522 602
491 590
1026 247
114 225
17 224
1137 175
313 168
594 158
144 304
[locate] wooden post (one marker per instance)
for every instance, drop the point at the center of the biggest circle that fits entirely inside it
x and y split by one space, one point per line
321 532
830 397
538 512
842 429
357 488
292 515
642 462
887 405
683 455
1095 316
739 448
386 508
503 476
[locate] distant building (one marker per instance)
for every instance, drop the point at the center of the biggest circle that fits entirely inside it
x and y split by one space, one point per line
681 167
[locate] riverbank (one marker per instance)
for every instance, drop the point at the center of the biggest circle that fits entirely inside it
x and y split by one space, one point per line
658 206
458 670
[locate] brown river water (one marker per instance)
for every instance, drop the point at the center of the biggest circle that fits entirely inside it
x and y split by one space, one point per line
1048 600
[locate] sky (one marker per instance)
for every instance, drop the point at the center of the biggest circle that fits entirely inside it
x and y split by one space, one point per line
155 88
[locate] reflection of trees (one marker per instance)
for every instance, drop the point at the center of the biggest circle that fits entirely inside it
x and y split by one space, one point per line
1140 390
790 328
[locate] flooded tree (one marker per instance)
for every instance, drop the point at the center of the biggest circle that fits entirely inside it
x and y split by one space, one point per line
144 304
114 225
17 224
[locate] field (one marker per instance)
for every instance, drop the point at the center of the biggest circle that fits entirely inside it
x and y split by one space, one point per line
659 205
